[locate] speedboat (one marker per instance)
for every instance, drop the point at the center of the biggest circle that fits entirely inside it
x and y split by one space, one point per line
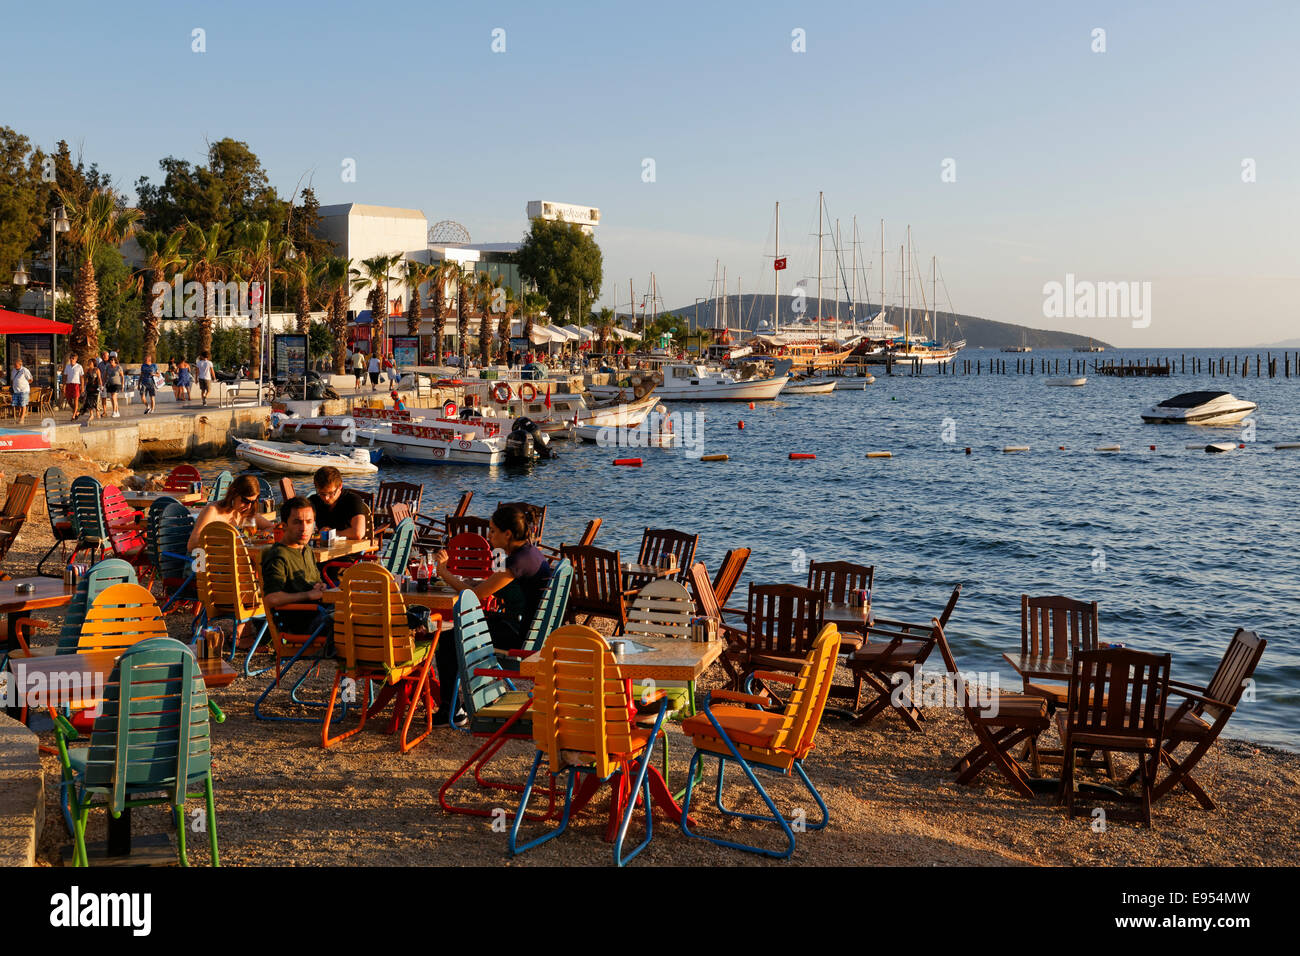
809 386
1199 408
1067 382
287 458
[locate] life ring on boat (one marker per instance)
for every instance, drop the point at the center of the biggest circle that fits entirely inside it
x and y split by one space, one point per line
531 389
276 420
497 395
449 410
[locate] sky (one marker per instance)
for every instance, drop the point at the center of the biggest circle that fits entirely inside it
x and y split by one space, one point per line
1021 145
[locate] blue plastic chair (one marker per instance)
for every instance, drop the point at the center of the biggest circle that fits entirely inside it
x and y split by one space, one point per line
220 486
103 575
167 534
397 554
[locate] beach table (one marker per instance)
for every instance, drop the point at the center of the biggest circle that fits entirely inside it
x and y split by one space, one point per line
46 592
847 617
78 681
668 659
635 575
1040 668
143 499
341 548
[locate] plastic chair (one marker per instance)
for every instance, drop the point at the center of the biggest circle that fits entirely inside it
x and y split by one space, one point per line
90 585
289 648
376 644
740 729
228 587
125 534
582 726
181 479
165 746
397 555
58 505
220 486
469 556
88 516
496 710
167 534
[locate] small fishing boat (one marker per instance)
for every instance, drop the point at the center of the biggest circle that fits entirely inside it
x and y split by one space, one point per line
288 458
856 383
443 441
1199 408
608 436
809 386
1067 382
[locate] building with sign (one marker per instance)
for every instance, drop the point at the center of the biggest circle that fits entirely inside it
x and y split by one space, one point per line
588 217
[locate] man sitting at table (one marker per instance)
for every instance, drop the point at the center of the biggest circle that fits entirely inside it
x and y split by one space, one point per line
290 575
338 508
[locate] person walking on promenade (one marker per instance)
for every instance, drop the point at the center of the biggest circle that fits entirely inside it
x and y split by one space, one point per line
20 379
205 375
72 375
358 368
148 388
184 381
114 379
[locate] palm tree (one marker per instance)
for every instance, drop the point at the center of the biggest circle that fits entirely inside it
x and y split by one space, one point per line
95 222
300 271
507 317
253 256
534 304
374 273
417 274
162 259
464 302
208 262
334 278
603 324
443 272
485 287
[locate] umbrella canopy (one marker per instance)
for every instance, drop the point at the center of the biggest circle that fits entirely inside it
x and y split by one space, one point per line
16 323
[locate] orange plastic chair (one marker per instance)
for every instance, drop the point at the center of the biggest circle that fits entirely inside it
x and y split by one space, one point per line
777 741
376 644
229 587
121 615
583 724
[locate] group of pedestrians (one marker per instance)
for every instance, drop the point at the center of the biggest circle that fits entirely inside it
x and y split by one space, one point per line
375 367
93 390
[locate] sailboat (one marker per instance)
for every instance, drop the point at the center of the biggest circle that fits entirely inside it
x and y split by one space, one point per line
1022 347
917 348
1090 347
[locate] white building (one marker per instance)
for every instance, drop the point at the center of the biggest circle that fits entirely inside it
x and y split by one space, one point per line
359 232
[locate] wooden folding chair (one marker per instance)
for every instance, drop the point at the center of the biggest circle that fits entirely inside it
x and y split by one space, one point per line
1203 714
287 491
780 626
728 576
999 723
1117 705
1055 627
836 579
18 504
598 589
660 543
467 524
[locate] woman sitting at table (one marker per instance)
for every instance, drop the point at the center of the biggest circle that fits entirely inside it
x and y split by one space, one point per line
237 508
518 591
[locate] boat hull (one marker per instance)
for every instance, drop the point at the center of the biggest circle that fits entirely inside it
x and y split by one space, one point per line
816 387
302 460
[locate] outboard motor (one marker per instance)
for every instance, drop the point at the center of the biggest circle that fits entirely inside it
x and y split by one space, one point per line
527 441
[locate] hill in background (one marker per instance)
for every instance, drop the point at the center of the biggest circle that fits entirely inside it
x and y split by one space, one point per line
978 332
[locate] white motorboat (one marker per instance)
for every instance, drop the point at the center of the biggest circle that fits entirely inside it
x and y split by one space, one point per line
809 386
856 383
314 430
699 383
1199 408
442 441
621 408
608 436
298 459
1067 382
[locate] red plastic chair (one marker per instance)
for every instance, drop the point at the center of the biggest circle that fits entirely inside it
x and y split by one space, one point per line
126 533
469 556
181 478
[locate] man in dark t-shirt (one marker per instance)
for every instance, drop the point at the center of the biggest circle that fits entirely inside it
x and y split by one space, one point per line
289 572
338 508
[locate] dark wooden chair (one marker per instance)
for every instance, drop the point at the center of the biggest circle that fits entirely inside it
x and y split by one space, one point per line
462 506
18 504
534 514
780 625
707 605
588 537
728 576
1204 712
58 505
598 588
391 493
287 489
1116 705
1002 723
836 579
1055 627
893 647
466 524
659 543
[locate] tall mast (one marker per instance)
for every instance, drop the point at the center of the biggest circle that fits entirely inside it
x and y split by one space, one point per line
740 304
819 266
882 278
934 301
837 274
853 296
631 295
654 304
776 275
907 293
724 295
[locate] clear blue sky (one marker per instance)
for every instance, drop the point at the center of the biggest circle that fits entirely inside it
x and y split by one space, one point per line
1117 166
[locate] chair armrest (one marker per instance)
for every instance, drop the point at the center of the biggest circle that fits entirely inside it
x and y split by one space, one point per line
217 714
64 727
776 676
741 611
896 635
303 606
900 625
519 653
1203 698
739 698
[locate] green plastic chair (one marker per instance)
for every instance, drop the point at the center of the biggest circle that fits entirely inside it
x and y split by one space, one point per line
398 554
159 741
103 575
87 511
58 505
167 534
549 616
220 486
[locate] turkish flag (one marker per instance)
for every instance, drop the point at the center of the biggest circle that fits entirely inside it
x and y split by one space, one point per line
548 396
779 264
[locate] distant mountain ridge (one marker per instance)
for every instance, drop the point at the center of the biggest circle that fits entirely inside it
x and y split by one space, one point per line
978 332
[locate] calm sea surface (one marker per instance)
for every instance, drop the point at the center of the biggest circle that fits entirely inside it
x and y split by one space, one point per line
1178 546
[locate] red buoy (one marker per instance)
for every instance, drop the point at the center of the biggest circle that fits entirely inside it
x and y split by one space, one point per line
740 424
1153 447
634 462
968 451
800 454
751 406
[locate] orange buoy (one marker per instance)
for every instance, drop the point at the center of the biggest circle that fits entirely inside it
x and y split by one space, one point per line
800 454
740 424
1153 447
634 462
714 458
968 451
751 406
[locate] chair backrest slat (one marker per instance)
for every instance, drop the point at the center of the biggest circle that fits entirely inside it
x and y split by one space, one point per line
88 509
398 553
98 578
836 579
375 634
120 616
728 576
552 606
783 618
1056 627
597 582
469 556
1230 677
658 543
475 651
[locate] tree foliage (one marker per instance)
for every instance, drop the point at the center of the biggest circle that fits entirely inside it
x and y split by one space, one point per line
565 264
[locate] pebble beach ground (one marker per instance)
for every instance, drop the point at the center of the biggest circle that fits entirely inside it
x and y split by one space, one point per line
283 800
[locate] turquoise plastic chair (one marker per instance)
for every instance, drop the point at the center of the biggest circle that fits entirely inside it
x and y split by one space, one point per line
398 553
165 745
103 575
58 505
88 522
220 486
167 534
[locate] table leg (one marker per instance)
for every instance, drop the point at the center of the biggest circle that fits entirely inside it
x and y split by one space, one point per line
119 834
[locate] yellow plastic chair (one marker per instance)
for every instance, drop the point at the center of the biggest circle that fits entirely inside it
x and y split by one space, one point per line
229 586
121 616
372 635
583 724
740 729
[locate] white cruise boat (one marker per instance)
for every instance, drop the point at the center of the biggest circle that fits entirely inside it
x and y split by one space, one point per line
1199 408
699 383
442 441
